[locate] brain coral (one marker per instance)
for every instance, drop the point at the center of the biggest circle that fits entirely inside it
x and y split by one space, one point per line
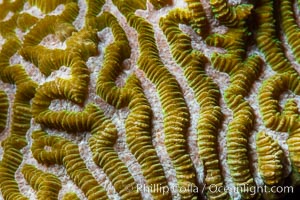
158 99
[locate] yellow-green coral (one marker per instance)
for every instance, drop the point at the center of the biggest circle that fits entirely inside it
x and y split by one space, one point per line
94 8
25 32
294 146
242 123
115 54
286 119
13 6
138 138
3 109
74 89
9 164
21 116
269 101
47 6
198 20
270 158
70 196
60 25
104 135
160 3
243 72
290 27
47 185
25 21
138 131
206 94
230 16
66 153
176 115
266 37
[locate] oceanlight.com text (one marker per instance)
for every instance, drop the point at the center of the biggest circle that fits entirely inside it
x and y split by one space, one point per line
157 188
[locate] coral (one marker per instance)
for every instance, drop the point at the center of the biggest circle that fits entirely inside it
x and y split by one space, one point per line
243 72
70 196
9 164
269 159
293 144
270 164
242 123
66 153
269 101
10 6
198 18
94 8
60 25
3 109
231 16
47 185
138 123
104 135
74 89
175 110
203 52
290 27
48 6
138 138
25 21
206 93
115 54
160 3
21 116
266 38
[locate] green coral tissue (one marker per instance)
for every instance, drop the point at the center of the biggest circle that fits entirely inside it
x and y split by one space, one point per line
149 100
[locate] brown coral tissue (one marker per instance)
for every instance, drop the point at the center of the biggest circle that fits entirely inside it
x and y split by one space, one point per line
152 100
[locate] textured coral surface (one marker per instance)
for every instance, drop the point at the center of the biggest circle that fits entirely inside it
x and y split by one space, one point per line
158 99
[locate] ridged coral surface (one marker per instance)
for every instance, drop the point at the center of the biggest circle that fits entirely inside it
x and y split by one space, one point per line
158 99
